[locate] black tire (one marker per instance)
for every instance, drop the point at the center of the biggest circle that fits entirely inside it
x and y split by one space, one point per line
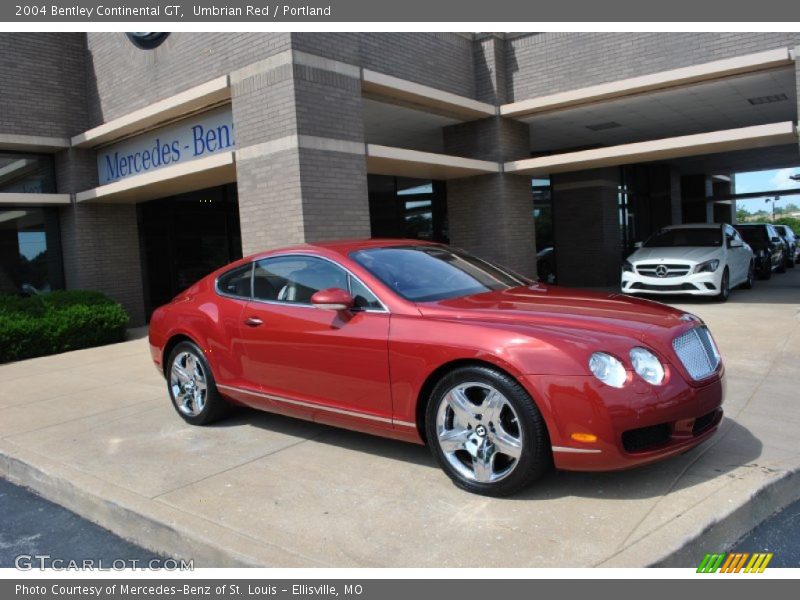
214 406
782 264
765 272
751 276
535 454
724 287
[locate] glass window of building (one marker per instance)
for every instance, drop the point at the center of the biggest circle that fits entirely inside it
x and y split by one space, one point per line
30 251
402 207
26 173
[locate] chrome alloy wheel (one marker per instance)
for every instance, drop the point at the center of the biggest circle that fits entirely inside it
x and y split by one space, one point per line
187 380
479 432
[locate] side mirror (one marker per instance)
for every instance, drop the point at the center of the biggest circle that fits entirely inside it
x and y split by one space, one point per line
776 240
735 244
332 299
638 245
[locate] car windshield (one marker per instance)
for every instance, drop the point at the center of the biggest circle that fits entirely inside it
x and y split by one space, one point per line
427 273
754 234
693 237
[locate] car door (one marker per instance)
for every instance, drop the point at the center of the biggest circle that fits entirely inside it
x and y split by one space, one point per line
302 357
738 255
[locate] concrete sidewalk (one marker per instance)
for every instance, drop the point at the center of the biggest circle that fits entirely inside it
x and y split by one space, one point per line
94 430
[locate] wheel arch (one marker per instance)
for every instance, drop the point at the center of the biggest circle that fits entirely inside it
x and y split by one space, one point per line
435 376
173 341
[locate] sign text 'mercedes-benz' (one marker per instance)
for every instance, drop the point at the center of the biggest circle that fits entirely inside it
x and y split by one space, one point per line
189 139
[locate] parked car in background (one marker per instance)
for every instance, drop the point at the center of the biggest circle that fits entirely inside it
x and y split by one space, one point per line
768 247
789 236
546 265
700 259
502 377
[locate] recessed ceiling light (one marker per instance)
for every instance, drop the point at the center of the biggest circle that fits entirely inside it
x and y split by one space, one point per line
602 126
768 99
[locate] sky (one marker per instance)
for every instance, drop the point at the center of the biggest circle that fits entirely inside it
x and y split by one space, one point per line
759 181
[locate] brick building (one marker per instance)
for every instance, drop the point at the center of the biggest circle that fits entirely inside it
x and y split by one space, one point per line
137 165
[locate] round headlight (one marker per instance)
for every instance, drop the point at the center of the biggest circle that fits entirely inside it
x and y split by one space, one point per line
608 369
647 366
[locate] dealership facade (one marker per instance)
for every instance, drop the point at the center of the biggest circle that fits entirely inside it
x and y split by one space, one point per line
136 165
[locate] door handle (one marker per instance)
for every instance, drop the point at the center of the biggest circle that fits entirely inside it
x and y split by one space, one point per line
253 321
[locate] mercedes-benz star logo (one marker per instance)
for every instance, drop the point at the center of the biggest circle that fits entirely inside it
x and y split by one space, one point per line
661 271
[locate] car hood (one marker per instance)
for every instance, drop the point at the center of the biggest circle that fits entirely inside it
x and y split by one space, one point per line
696 254
572 311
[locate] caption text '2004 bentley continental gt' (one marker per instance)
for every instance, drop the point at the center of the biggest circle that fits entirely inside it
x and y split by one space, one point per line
502 377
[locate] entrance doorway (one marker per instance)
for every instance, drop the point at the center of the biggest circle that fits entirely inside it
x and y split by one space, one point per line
184 238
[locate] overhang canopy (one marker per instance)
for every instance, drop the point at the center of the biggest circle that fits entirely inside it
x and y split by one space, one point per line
216 169
386 160
192 100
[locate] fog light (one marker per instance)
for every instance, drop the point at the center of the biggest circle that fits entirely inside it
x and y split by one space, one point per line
588 438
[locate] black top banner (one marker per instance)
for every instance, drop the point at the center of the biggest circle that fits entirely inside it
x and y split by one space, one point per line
453 11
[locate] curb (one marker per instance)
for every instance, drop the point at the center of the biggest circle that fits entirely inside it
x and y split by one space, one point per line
721 535
161 529
176 534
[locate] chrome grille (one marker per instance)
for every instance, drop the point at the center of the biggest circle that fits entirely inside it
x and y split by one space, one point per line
698 352
651 270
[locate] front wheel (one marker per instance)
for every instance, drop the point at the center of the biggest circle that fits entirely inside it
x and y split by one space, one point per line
781 264
724 287
751 275
192 388
485 431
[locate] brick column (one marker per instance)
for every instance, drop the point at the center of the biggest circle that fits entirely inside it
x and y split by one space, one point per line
301 170
100 242
588 244
695 189
492 215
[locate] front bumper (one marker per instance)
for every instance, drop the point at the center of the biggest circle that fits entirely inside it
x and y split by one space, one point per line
635 425
696 284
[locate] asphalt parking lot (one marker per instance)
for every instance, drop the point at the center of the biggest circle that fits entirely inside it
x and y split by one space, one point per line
94 430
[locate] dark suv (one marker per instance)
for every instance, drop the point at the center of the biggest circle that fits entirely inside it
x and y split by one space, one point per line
789 236
768 247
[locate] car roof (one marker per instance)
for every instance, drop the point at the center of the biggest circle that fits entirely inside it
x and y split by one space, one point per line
696 226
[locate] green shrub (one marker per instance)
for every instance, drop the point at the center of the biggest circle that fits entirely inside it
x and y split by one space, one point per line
57 322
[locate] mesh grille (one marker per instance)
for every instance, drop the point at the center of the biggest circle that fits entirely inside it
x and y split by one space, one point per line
697 352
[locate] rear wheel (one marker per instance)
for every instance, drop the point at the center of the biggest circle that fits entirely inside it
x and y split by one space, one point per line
724 287
192 388
486 433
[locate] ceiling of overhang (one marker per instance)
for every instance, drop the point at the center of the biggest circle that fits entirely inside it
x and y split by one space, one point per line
741 161
698 108
403 127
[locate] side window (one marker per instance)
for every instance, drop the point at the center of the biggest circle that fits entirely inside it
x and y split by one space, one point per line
729 235
294 279
364 299
236 282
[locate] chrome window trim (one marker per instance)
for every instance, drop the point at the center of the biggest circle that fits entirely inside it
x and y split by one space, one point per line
234 296
251 298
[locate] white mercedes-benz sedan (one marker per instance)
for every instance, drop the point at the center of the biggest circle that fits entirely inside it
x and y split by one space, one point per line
701 259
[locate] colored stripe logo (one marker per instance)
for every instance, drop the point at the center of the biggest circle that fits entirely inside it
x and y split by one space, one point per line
735 562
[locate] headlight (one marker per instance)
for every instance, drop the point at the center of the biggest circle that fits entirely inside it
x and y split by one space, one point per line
627 266
707 267
647 365
608 369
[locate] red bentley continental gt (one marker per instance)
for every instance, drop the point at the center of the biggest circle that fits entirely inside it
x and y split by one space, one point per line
501 376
